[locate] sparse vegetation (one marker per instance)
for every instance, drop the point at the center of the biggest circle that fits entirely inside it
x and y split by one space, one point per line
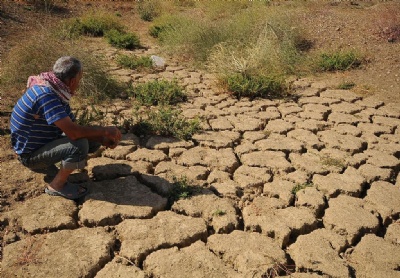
149 9
330 161
252 86
156 30
180 189
93 24
135 62
159 92
299 187
32 56
338 61
166 121
121 39
347 85
219 212
88 115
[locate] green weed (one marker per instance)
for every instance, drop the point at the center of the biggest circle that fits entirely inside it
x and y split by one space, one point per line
219 212
338 61
134 61
121 39
159 92
166 121
252 86
299 187
180 189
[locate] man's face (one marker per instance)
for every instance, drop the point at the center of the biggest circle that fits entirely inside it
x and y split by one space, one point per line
74 82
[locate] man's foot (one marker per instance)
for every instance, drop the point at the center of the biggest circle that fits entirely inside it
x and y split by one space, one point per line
69 191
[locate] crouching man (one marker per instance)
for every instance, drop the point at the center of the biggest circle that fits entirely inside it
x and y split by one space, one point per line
44 132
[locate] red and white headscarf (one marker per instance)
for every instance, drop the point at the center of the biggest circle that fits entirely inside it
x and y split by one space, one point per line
49 79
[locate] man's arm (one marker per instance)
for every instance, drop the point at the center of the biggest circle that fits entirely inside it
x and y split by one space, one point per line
99 134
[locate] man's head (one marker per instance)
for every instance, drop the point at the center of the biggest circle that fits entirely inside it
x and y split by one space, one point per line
68 70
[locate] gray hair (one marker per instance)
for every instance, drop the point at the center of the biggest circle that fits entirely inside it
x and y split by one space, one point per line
66 68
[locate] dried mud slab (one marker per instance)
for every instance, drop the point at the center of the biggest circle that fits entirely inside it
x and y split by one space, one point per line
252 179
281 143
222 159
170 169
271 217
252 254
281 189
166 143
196 259
348 217
219 213
351 183
109 202
140 237
104 168
217 139
393 233
275 161
44 213
151 156
384 198
375 257
319 252
69 253
312 199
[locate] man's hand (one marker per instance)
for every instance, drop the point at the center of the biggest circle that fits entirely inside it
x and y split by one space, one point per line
109 143
112 138
110 134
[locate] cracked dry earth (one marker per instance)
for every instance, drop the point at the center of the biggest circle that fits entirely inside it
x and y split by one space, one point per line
305 187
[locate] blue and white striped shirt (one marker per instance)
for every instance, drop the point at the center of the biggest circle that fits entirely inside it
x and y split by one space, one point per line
32 119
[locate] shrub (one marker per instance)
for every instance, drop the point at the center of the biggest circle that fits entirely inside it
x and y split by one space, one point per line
338 61
240 37
167 121
93 24
156 30
187 36
252 86
32 56
135 62
97 23
123 40
159 92
148 10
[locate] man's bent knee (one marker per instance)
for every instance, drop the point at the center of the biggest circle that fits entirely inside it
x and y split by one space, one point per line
77 158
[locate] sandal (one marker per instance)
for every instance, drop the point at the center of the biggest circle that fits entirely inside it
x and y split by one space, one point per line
70 191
